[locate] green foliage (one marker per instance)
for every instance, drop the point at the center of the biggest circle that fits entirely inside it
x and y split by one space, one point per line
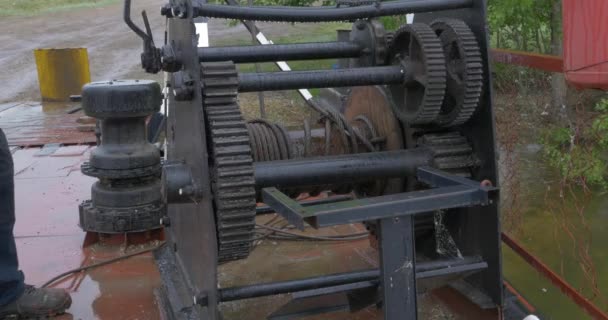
524 25
31 7
393 23
521 24
579 153
600 124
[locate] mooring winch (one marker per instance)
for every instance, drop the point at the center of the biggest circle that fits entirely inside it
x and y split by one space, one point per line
413 145
127 196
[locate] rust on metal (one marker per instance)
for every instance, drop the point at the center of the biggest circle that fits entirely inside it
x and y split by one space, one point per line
558 281
528 59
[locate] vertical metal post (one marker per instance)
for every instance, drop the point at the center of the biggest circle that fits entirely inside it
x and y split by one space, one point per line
397 264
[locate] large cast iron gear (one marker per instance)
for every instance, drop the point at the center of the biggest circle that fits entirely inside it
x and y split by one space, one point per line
416 47
464 71
231 161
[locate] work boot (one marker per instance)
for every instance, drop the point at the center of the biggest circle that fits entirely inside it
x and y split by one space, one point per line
37 302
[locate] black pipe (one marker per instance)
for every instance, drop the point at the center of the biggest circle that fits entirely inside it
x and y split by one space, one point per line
281 52
340 169
273 288
306 203
281 287
326 13
270 81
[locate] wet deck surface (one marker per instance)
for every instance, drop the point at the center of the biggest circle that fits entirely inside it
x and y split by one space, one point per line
35 124
49 187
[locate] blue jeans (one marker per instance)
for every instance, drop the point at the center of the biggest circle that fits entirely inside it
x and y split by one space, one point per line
11 279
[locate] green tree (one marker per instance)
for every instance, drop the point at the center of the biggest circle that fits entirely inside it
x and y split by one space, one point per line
533 26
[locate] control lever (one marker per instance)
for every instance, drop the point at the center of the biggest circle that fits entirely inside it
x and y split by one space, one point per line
151 56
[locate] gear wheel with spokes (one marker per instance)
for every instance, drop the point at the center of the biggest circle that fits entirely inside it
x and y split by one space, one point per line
464 71
417 48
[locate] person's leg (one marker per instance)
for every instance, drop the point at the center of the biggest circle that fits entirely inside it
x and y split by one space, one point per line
11 279
16 298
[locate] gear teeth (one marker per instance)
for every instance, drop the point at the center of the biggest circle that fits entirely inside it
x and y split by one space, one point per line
435 74
471 87
451 152
233 182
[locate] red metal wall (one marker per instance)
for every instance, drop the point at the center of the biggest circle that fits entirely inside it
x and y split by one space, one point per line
586 43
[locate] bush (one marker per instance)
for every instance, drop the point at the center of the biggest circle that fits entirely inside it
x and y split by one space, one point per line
578 153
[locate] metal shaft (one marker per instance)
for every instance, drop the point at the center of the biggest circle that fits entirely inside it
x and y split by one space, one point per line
270 81
326 13
340 169
423 270
281 52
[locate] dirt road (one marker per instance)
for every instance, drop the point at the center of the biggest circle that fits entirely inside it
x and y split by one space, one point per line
113 49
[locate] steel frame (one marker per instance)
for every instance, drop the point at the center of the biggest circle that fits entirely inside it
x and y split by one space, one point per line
192 252
479 227
450 192
189 264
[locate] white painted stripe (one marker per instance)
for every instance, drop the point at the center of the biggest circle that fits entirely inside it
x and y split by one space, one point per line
203 34
305 94
283 66
409 18
165 93
262 38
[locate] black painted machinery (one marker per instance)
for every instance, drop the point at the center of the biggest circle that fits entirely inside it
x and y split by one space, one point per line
411 138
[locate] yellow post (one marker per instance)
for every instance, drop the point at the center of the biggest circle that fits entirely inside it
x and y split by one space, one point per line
62 72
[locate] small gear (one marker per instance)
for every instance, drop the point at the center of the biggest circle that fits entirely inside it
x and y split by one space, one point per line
452 152
417 48
464 71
